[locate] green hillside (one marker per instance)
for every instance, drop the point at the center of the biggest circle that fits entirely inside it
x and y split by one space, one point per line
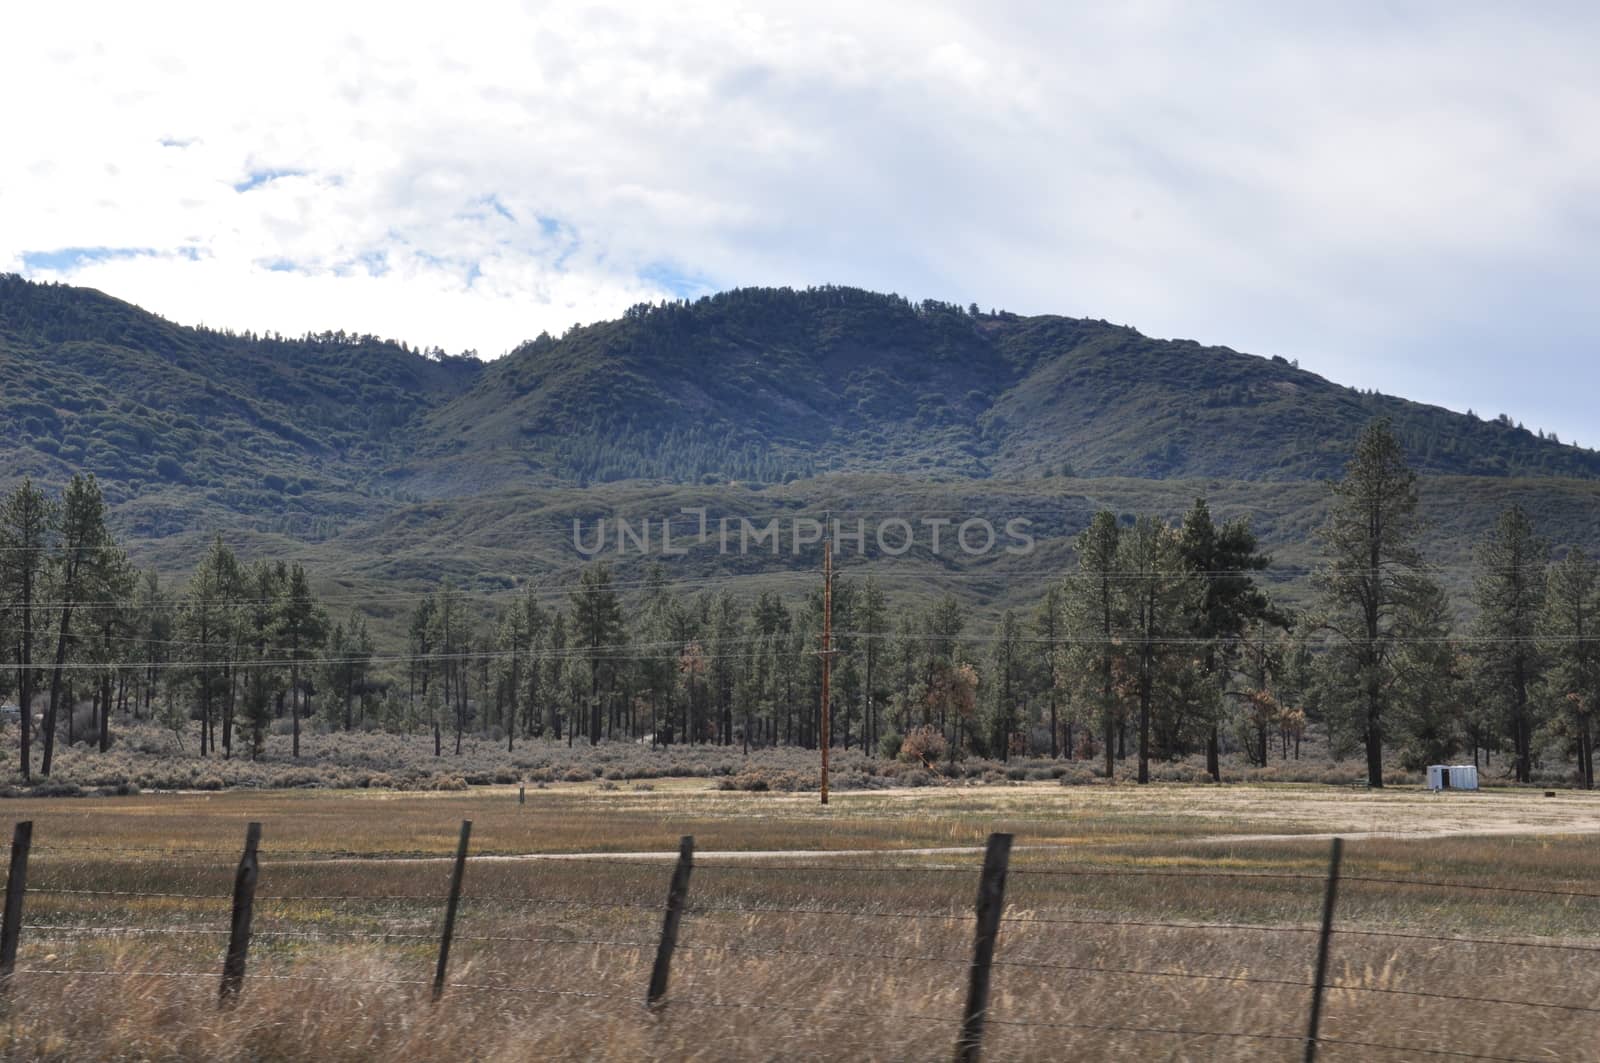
770 383
386 468
191 426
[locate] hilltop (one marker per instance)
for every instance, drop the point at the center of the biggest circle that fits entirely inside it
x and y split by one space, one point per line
768 384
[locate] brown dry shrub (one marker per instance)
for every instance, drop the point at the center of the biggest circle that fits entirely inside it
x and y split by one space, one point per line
923 745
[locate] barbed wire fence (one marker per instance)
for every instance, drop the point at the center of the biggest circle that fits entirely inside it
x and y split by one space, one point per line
989 917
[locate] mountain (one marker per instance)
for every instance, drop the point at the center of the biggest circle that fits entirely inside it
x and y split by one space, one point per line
766 384
385 466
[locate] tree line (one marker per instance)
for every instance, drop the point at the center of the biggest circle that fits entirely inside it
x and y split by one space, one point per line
1160 642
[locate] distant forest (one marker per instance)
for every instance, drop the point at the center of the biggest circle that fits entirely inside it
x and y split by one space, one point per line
1159 642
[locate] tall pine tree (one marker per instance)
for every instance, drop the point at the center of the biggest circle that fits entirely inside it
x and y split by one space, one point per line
1372 573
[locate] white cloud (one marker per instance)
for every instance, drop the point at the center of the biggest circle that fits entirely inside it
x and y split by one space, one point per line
1402 197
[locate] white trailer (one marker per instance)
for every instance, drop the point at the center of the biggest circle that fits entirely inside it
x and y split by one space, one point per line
1452 777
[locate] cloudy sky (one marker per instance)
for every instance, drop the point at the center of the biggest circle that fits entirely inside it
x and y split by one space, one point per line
1401 196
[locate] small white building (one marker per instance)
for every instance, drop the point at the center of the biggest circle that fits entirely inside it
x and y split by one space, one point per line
1452 777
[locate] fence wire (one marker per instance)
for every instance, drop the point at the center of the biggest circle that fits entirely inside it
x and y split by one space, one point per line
895 865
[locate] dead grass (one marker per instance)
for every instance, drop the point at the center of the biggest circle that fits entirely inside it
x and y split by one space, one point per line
859 960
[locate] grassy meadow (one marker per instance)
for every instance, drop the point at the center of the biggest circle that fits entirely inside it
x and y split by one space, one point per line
839 932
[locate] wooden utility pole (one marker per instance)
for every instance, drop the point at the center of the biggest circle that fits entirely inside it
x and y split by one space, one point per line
827 657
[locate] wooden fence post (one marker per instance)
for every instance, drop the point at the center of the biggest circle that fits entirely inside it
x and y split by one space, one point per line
244 897
1320 980
991 903
450 908
16 889
677 894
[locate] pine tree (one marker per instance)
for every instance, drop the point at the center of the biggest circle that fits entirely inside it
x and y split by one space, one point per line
556 684
1371 573
1007 684
724 652
114 624
451 637
512 638
1223 557
27 526
301 629
659 627
265 584
941 631
596 627
1571 639
536 621
333 674
153 608
83 564
1428 681
1050 631
1094 609
872 619
206 621
1508 588
419 660
1159 594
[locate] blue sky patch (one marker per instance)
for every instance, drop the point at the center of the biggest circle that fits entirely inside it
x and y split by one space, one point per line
68 258
680 283
257 178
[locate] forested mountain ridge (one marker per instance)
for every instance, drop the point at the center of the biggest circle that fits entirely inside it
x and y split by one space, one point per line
344 443
251 423
751 384
767 384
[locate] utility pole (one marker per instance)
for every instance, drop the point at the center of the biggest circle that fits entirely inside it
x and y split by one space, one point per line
827 656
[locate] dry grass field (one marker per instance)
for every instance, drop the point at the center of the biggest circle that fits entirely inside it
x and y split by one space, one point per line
1167 923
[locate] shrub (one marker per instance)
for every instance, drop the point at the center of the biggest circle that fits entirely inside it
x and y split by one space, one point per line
1078 773
55 788
923 745
889 745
